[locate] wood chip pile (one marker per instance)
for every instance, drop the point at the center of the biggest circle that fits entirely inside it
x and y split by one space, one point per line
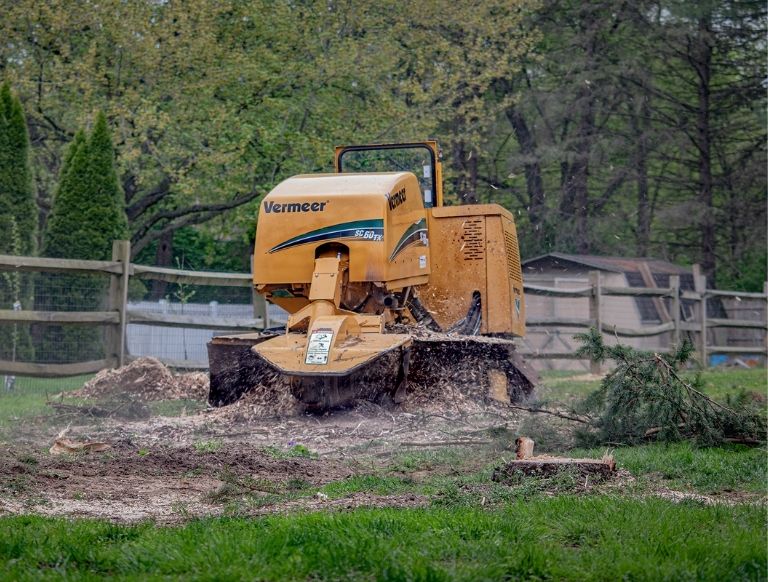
146 380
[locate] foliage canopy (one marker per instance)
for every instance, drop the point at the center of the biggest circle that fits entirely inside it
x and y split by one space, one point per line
624 129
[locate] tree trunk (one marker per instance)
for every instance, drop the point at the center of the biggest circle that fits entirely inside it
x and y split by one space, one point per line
640 127
576 183
703 65
465 163
163 258
533 181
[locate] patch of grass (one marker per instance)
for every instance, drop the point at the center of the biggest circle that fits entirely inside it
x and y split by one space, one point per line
225 493
250 491
27 385
206 447
557 386
28 459
30 397
430 460
718 383
564 538
466 490
180 508
520 486
679 466
298 485
379 485
685 467
16 484
721 383
17 409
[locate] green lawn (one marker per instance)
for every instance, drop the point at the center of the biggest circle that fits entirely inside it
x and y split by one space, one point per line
563 538
31 395
30 398
29 385
471 529
719 383
682 466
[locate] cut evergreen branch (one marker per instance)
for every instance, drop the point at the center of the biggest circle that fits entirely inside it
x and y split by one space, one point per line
645 396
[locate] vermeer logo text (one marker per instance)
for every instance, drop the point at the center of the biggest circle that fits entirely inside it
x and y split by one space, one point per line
270 206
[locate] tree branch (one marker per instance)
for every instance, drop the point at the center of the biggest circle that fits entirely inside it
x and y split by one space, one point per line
195 214
153 197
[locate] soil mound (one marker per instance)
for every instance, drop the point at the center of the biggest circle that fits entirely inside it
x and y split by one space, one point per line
145 380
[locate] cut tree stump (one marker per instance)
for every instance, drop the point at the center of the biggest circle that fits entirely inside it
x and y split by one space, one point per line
545 466
524 448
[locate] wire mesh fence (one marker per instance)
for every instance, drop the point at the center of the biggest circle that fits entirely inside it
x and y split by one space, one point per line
54 343
66 319
187 345
184 347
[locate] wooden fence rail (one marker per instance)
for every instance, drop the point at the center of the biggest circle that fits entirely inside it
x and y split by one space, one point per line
595 291
118 315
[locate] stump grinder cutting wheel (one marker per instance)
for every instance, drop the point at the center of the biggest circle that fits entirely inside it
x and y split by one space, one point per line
383 285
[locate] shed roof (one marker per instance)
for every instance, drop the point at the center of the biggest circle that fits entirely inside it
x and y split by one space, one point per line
611 264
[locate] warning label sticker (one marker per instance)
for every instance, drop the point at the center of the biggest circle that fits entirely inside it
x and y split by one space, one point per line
319 346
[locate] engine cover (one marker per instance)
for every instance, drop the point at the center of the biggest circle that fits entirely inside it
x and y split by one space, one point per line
379 217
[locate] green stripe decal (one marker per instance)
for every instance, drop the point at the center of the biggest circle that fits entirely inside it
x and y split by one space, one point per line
414 234
372 230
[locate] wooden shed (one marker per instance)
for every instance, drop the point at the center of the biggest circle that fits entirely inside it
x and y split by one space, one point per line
564 271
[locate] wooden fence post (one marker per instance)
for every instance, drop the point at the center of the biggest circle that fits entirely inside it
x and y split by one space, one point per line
700 284
674 283
118 299
260 307
594 311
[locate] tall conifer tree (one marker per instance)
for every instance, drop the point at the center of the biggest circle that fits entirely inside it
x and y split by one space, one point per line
87 215
88 212
18 219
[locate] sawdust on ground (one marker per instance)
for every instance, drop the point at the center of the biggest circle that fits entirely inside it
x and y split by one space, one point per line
145 379
445 384
172 468
131 483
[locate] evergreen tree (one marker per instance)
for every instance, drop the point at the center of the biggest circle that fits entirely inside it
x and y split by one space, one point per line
88 212
18 218
87 215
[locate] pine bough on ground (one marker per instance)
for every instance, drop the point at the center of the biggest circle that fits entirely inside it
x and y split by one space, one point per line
645 397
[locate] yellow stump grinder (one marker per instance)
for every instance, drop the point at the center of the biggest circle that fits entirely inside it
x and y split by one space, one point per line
383 286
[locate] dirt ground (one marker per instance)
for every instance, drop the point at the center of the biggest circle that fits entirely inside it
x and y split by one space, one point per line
200 461
168 468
